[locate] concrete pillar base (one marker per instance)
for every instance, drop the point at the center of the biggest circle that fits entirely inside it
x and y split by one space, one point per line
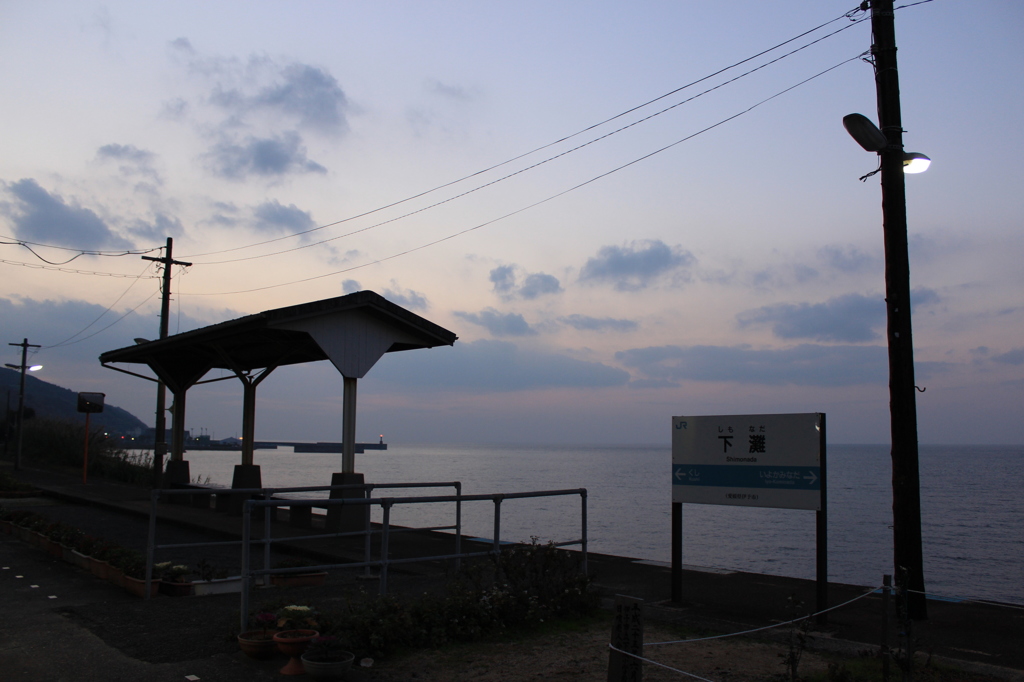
342 519
245 476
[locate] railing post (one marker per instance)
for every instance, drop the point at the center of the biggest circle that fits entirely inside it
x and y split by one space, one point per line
246 534
267 511
386 507
886 589
367 536
458 525
497 524
151 542
583 519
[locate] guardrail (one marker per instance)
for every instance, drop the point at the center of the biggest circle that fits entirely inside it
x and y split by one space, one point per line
248 573
267 494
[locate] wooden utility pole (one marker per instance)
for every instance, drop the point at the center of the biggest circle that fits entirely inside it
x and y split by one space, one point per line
906 488
160 437
25 345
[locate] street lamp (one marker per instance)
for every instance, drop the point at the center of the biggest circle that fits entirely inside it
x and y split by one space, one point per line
887 140
25 345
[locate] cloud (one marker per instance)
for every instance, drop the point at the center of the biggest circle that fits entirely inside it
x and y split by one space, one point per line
804 365
598 324
407 298
269 156
350 286
487 365
847 319
161 227
271 216
637 265
498 324
45 217
505 277
1013 357
453 92
304 94
849 259
132 160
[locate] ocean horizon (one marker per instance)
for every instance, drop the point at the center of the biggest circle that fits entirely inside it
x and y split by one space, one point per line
970 501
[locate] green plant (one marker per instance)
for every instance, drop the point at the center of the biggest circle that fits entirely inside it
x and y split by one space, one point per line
327 648
297 617
11 484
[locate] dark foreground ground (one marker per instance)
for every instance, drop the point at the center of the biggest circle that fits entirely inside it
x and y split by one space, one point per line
61 623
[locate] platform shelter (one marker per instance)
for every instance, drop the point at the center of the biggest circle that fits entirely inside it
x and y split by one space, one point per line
352 331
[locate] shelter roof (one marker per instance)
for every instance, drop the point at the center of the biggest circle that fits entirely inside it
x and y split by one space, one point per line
352 331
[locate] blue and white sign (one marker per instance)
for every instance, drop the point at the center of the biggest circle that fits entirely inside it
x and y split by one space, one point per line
758 460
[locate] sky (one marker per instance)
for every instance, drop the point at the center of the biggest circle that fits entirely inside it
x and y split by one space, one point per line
618 226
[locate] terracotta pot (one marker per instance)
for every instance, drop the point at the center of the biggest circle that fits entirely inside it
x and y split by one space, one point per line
292 643
298 579
320 669
258 643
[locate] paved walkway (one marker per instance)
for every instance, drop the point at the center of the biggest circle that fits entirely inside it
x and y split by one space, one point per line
975 634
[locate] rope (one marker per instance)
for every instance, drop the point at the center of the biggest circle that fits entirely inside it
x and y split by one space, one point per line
660 665
769 627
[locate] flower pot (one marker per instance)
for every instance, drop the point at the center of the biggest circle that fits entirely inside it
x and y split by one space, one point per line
55 549
98 568
298 579
320 669
292 643
175 589
80 560
218 586
258 643
137 586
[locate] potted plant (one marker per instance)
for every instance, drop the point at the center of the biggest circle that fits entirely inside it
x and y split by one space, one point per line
298 579
173 579
214 581
133 566
259 642
326 658
298 627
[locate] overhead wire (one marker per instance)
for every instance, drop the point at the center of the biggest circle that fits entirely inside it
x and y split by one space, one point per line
69 342
846 15
37 266
542 201
14 241
539 163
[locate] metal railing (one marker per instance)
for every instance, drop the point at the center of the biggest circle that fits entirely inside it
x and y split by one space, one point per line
385 560
267 496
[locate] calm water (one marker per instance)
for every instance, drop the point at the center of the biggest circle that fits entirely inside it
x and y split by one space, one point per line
971 502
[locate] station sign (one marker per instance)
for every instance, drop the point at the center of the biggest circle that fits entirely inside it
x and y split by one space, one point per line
760 460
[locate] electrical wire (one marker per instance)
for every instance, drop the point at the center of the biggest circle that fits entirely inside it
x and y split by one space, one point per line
542 201
539 163
100 331
36 266
78 252
68 341
847 15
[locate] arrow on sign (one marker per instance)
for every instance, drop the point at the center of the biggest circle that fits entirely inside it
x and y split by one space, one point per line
811 477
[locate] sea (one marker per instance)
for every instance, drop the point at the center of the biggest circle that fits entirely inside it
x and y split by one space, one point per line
972 507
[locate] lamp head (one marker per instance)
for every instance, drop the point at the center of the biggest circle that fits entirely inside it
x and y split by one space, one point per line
915 162
866 133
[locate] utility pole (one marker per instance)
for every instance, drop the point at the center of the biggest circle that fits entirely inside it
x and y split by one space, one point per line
906 487
25 345
160 437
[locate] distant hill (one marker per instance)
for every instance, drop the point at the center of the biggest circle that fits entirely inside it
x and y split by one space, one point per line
50 401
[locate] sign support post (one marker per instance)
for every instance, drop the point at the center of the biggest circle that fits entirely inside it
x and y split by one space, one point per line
767 460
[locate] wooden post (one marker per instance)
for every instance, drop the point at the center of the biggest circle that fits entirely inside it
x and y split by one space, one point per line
628 636
886 588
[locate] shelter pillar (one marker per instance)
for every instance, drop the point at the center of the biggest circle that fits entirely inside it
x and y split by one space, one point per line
178 473
348 428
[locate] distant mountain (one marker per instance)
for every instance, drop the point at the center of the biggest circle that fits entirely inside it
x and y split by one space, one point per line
50 401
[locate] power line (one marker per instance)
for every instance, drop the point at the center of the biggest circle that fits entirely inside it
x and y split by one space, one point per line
69 342
78 252
542 201
537 164
100 331
36 266
847 15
